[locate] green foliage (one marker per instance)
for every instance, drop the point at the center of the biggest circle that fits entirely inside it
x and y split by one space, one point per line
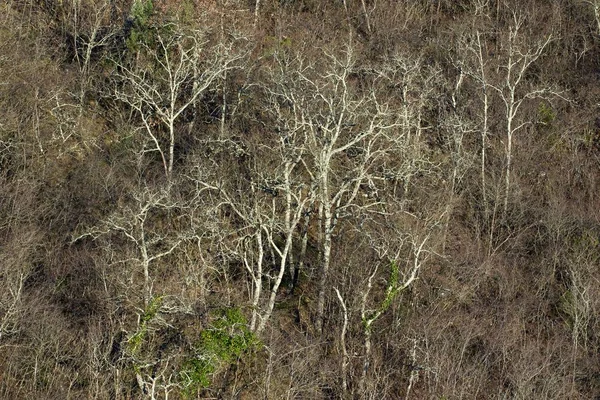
135 341
393 288
185 14
152 309
585 245
147 26
219 347
546 114
591 138
141 11
274 45
141 32
567 305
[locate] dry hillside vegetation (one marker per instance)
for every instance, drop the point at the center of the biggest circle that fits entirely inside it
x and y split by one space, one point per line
372 199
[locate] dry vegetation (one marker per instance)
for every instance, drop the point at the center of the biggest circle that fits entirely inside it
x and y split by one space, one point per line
372 199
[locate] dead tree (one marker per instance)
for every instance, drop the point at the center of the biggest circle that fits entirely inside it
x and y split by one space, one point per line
167 79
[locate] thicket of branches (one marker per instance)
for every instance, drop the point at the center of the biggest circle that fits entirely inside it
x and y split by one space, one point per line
299 199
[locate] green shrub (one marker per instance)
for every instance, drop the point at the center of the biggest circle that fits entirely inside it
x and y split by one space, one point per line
217 349
546 114
393 288
141 32
136 340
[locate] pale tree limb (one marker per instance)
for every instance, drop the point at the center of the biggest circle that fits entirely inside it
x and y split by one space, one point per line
161 96
345 358
396 285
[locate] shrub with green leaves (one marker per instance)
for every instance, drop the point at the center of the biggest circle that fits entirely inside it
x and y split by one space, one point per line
218 348
394 287
135 341
141 11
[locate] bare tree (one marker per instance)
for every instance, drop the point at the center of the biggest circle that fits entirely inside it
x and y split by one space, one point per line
137 223
168 78
345 130
461 160
345 357
270 207
502 74
14 270
518 62
401 244
509 81
595 4
478 71
89 27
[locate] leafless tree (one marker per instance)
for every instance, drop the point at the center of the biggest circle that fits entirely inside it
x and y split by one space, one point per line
89 26
519 58
14 270
137 223
270 206
595 4
501 75
345 357
168 78
345 129
478 71
401 244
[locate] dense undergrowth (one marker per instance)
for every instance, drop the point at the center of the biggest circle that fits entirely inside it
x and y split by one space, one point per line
299 199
